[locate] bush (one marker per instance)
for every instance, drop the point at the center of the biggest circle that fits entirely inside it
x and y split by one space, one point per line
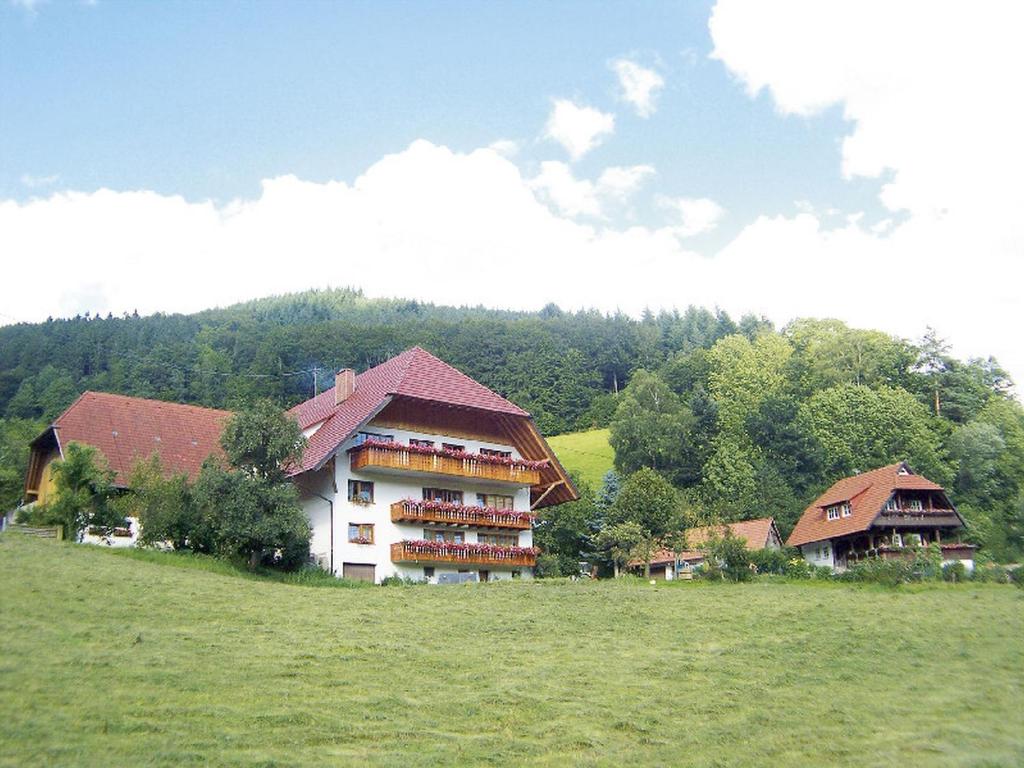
990 572
878 571
778 561
955 572
1016 575
727 557
400 581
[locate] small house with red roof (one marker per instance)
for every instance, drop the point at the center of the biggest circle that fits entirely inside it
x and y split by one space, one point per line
758 534
887 513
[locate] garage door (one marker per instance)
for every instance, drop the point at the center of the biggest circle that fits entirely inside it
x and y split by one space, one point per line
357 571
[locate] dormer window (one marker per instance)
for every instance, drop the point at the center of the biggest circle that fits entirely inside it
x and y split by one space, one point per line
903 471
835 511
915 505
892 505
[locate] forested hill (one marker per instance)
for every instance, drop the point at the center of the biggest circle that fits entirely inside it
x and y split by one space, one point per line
554 364
746 418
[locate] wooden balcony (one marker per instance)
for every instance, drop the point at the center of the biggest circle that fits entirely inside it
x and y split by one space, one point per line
462 554
452 514
375 457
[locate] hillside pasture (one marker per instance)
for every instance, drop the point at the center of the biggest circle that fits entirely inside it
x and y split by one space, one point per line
116 660
588 454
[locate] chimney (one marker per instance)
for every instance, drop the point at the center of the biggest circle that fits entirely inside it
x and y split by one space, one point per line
344 385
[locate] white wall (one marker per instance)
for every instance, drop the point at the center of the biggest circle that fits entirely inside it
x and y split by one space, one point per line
820 553
390 488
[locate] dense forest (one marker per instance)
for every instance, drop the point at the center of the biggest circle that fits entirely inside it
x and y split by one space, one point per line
747 419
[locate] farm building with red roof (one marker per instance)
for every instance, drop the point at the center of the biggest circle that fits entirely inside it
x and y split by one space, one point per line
886 513
758 534
411 468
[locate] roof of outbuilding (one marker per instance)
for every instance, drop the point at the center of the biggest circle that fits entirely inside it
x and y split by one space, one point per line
866 493
415 374
755 532
126 429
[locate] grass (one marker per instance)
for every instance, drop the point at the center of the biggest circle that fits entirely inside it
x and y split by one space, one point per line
121 660
589 454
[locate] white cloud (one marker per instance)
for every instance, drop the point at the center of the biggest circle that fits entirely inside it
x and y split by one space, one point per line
414 215
640 86
620 182
695 214
930 93
578 128
29 5
505 147
576 197
473 218
34 182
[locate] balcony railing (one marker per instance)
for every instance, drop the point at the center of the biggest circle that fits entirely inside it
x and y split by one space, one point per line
393 456
461 554
411 511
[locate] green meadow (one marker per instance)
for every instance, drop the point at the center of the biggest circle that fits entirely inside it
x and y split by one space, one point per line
115 660
588 454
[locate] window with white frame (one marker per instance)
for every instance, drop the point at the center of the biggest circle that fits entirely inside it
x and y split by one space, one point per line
893 504
915 505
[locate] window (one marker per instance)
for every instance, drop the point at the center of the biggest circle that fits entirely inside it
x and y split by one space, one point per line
833 512
915 505
454 537
360 491
825 552
892 505
421 443
846 509
360 533
362 437
498 539
494 500
493 452
446 495
453 447
428 572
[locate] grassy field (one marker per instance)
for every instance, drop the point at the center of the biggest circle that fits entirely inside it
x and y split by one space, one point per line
587 453
112 660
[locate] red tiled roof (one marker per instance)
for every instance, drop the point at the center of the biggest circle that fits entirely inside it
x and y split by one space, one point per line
414 374
126 429
866 493
755 532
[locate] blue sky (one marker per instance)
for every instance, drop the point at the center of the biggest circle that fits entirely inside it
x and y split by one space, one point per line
205 100
801 157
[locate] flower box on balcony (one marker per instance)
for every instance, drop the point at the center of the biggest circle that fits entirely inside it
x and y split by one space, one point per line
413 511
390 455
460 553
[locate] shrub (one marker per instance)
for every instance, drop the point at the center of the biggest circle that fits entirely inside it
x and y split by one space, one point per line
729 557
770 560
955 572
400 581
1016 575
878 571
990 572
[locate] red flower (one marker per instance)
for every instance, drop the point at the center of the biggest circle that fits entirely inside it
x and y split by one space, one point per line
508 461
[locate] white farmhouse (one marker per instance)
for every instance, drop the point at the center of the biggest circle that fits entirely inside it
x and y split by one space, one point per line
413 469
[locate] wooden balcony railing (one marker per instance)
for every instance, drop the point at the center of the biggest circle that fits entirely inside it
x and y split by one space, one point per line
370 456
411 511
461 554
